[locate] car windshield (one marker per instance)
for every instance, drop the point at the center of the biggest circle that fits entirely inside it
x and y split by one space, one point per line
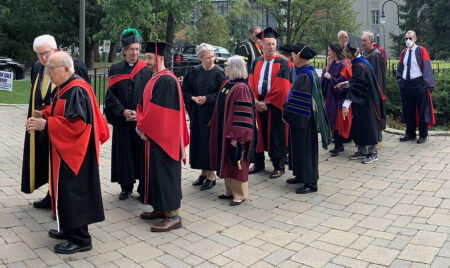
189 50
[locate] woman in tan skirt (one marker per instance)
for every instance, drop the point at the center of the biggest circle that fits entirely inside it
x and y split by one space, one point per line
232 132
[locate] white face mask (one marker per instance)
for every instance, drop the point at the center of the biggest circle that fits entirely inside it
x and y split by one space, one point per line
409 43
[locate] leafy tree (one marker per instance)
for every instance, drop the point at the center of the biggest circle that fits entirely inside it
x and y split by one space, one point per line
239 17
430 20
211 27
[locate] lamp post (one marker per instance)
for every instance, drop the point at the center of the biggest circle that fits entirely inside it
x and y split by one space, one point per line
383 18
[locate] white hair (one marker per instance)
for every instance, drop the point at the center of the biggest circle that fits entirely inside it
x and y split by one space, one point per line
370 35
44 39
202 48
411 32
238 68
67 60
341 33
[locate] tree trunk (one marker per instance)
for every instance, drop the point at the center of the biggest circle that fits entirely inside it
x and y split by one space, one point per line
170 35
89 56
96 53
112 52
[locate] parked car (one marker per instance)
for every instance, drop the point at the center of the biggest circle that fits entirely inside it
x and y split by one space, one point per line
185 61
13 66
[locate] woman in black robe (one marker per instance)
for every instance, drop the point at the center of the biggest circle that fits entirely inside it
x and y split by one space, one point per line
200 87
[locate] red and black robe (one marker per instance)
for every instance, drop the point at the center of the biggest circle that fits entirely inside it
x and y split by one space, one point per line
125 88
233 119
75 128
272 132
35 151
162 119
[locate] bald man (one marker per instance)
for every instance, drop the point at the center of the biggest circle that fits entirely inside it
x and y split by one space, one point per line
75 128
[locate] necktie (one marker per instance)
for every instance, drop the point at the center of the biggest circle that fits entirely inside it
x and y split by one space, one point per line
265 83
408 66
44 85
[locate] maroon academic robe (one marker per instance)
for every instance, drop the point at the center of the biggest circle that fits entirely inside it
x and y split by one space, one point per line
233 119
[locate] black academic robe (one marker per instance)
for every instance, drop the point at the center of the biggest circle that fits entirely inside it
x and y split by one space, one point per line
127 160
367 104
249 52
75 128
199 82
298 113
35 152
376 60
162 119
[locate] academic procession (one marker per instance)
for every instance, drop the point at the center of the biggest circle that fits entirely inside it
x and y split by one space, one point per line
264 162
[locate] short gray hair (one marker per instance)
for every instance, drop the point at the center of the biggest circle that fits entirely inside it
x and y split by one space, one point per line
238 68
370 35
252 29
341 33
44 39
67 60
411 32
202 48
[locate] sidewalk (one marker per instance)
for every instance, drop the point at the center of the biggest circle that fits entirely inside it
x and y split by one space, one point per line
395 212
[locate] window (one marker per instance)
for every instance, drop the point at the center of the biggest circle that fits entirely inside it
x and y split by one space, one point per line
375 17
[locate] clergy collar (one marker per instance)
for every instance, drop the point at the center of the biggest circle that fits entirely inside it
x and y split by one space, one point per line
131 64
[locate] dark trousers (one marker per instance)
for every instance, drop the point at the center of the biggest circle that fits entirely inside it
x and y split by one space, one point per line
338 139
127 187
79 236
414 97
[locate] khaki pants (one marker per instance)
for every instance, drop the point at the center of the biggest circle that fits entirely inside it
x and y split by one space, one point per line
238 189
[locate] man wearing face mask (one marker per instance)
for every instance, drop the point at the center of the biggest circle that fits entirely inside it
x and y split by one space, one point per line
415 78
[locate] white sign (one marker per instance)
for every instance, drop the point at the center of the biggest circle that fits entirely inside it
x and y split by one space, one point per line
106 46
6 80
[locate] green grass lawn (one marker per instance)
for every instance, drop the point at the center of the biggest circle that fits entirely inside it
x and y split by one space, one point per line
21 92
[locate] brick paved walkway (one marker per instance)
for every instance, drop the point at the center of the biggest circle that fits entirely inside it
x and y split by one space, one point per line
395 212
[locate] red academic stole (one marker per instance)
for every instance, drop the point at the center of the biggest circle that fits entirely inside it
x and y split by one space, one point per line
166 127
69 140
119 77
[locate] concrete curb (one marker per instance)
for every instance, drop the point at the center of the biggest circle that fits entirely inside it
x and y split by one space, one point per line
430 133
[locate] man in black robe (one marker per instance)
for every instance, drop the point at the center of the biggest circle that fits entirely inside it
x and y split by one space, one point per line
376 60
250 49
270 82
75 128
305 113
161 123
127 80
35 153
367 100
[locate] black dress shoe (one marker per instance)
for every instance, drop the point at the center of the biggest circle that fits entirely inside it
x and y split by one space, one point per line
124 195
53 233
199 181
421 140
232 203
222 196
335 152
70 248
306 189
254 170
407 138
208 184
44 203
293 180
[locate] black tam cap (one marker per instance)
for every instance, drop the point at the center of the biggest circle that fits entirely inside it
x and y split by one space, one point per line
130 36
353 45
162 48
304 51
268 33
286 48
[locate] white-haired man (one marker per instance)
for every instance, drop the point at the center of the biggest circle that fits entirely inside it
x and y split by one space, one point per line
376 60
343 38
35 154
75 127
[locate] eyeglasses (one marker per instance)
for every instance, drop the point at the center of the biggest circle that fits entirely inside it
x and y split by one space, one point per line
44 54
408 38
51 68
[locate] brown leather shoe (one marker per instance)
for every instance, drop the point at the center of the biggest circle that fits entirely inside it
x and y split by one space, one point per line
276 174
167 224
152 215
